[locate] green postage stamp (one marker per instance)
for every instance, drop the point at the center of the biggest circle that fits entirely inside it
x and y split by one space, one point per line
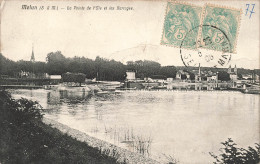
205 26
179 20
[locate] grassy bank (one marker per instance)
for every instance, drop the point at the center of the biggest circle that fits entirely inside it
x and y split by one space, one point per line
26 139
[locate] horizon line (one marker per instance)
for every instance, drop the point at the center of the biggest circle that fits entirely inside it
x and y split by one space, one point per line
129 60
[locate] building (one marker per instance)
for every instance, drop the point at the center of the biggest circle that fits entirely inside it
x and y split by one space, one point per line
178 75
198 75
55 79
212 78
182 75
24 74
130 76
253 76
256 78
232 73
246 76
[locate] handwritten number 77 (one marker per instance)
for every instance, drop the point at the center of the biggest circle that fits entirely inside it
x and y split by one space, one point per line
252 10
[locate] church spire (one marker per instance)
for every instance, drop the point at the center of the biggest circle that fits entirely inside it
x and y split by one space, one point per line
32 57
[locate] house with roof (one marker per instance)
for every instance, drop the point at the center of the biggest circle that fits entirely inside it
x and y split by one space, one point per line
55 79
211 78
182 75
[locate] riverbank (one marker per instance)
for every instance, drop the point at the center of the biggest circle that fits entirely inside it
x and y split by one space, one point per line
26 139
122 155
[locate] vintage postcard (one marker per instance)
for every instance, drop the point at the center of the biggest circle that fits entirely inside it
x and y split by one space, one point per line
133 82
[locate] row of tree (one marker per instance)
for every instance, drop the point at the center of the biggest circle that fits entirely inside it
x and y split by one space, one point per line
11 68
100 68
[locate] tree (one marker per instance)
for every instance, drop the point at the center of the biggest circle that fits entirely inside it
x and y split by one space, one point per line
144 68
7 67
109 69
183 76
1 63
168 71
25 66
239 76
80 78
223 76
39 67
74 77
192 76
56 63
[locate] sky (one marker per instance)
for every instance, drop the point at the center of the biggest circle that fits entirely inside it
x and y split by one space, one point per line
113 34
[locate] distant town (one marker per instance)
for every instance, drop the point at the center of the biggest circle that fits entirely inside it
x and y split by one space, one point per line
134 75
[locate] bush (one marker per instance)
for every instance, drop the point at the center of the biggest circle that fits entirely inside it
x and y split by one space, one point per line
21 110
231 154
24 138
74 77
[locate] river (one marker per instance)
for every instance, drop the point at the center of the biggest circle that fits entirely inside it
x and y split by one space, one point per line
185 125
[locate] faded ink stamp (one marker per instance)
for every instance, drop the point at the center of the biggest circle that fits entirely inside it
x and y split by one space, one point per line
227 23
206 57
180 19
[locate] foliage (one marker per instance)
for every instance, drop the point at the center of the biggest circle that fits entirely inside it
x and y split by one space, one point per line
233 154
26 139
183 76
192 76
144 68
56 63
168 71
223 76
109 69
147 68
101 68
239 76
21 110
73 77
7 67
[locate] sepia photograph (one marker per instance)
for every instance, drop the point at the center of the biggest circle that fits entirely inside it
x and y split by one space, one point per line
129 82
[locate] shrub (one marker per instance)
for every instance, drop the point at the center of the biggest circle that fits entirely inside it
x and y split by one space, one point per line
233 154
24 138
21 110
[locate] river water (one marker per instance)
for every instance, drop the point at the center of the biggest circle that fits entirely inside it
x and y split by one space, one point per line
184 125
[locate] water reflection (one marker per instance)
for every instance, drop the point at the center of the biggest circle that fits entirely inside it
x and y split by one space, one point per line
186 125
70 97
187 86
